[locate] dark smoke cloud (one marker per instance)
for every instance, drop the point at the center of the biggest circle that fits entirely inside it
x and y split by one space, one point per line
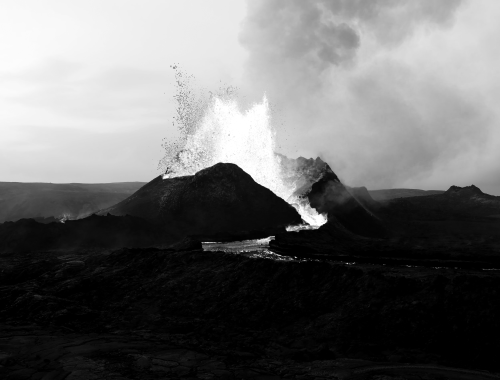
332 67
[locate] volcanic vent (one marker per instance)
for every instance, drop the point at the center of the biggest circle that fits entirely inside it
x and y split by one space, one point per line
215 130
223 178
221 201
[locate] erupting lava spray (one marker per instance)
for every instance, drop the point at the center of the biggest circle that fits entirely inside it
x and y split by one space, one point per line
216 130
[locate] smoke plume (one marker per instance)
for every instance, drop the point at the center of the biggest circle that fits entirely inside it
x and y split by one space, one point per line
354 85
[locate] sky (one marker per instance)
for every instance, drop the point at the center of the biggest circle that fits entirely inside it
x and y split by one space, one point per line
391 93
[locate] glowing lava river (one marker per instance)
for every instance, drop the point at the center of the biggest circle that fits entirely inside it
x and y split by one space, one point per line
257 248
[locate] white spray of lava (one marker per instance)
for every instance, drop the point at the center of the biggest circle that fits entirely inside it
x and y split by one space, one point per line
247 139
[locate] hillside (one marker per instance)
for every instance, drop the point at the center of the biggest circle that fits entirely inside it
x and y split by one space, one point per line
387 194
457 203
221 200
31 200
462 214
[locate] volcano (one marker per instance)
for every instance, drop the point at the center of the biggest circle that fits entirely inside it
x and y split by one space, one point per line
320 188
224 201
220 201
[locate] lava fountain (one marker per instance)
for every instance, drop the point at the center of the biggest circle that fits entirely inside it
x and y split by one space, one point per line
224 133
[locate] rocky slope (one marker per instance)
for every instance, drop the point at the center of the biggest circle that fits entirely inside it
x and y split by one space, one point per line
318 185
221 201
329 195
301 173
363 196
457 203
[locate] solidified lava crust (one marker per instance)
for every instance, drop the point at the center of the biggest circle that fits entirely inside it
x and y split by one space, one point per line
240 311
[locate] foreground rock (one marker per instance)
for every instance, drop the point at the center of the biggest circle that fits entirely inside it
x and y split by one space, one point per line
34 352
137 313
221 201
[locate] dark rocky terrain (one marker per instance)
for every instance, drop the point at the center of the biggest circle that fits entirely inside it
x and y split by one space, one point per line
218 203
221 201
70 200
459 212
455 229
328 195
363 196
400 289
319 186
156 313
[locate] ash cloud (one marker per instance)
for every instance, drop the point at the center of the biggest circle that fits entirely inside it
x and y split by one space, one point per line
293 41
348 78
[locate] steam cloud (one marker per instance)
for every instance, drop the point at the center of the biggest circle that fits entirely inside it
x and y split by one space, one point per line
341 72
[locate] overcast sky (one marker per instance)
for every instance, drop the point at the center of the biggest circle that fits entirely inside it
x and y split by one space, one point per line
392 93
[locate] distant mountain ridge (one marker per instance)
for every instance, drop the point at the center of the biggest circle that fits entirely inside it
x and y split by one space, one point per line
20 200
471 192
464 190
388 194
457 203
